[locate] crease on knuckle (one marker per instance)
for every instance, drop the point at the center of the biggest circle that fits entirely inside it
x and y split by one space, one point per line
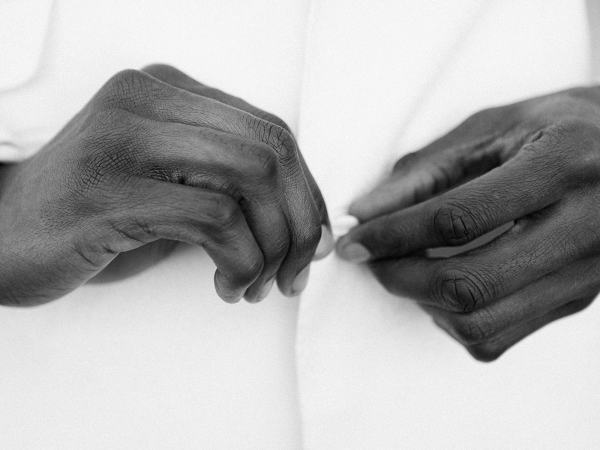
222 214
455 224
112 147
275 136
461 290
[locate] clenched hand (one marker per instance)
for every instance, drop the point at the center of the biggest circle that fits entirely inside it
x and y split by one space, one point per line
535 164
157 155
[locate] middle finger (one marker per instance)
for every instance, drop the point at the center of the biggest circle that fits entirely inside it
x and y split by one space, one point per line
533 248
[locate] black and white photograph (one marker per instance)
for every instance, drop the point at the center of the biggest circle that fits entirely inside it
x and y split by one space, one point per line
299 224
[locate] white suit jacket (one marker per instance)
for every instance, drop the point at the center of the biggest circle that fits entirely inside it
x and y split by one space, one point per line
156 360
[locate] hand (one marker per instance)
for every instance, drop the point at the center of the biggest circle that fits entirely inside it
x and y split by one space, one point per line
157 155
535 164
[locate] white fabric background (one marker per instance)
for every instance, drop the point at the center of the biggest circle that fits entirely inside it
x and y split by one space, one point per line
157 361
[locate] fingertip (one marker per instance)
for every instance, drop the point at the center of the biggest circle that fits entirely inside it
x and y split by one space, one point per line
361 208
326 244
297 285
265 290
346 247
224 290
301 281
352 251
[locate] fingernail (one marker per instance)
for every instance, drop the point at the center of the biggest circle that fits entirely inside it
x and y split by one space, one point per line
354 252
300 281
265 289
326 243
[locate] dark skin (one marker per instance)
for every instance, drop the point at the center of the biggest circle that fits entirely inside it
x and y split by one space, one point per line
535 164
156 156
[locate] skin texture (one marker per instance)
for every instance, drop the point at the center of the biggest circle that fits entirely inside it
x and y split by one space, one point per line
535 164
155 156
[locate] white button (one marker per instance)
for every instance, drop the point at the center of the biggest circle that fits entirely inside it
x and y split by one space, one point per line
340 225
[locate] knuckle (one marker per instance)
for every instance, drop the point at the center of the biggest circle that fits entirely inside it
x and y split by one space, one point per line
483 116
249 270
275 136
277 121
116 125
266 123
263 165
159 69
406 161
110 144
568 151
222 213
460 290
568 129
580 150
134 230
126 89
455 224
492 119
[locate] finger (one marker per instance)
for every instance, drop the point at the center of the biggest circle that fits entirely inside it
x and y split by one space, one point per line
152 210
181 80
210 159
525 184
477 145
578 280
166 103
531 249
491 350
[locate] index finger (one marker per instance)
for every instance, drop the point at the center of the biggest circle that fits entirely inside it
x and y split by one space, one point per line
469 150
525 184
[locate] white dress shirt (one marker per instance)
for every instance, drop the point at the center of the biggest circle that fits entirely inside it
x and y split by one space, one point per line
156 360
